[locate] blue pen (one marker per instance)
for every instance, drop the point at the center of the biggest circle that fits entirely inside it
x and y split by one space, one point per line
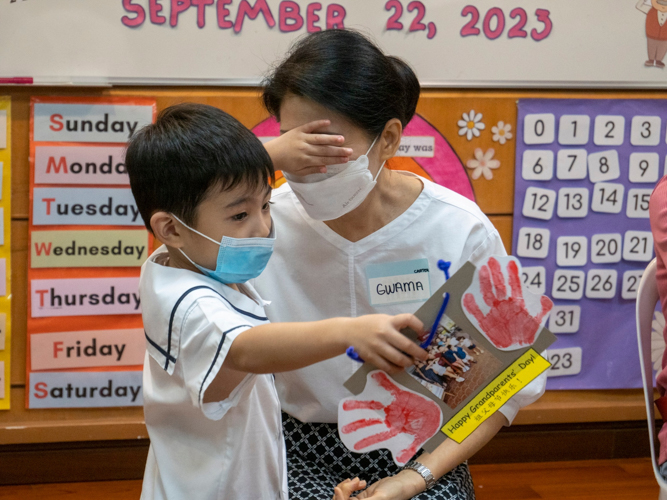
444 267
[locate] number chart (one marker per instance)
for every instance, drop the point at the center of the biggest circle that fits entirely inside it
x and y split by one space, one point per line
585 170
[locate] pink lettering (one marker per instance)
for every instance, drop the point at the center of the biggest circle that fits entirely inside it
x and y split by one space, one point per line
290 17
133 22
252 12
201 11
177 7
154 9
335 16
223 12
312 17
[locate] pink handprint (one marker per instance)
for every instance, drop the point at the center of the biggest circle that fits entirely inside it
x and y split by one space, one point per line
409 413
508 324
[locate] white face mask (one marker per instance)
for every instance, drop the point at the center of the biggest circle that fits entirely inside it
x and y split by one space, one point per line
340 190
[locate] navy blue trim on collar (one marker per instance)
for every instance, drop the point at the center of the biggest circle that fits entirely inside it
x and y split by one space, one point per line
178 302
217 353
160 350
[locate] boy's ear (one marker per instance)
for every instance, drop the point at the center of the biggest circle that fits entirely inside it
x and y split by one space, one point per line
390 139
167 229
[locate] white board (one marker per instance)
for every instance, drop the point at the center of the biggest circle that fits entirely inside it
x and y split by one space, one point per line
596 43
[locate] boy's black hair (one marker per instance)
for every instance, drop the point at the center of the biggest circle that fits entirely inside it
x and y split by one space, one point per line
346 72
192 148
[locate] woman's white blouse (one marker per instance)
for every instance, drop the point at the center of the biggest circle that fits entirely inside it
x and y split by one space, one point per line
315 274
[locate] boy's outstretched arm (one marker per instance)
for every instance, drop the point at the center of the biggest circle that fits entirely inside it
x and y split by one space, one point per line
278 347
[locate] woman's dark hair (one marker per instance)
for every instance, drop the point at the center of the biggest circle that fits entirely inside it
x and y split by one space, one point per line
192 148
346 72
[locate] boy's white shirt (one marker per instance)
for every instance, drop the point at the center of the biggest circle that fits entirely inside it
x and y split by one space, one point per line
315 273
232 449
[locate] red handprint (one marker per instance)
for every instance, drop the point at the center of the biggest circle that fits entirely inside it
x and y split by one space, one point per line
509 324
409 414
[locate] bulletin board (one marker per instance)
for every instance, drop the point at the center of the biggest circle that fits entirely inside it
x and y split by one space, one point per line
5 250
482 163
87 242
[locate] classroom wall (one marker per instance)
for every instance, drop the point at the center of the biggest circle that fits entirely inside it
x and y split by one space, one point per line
440 108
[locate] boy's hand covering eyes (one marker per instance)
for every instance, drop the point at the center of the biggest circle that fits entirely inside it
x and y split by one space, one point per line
378 340
301 151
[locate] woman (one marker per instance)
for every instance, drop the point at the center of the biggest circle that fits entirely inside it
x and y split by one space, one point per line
345 230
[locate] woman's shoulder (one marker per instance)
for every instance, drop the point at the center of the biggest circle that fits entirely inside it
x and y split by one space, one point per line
453 204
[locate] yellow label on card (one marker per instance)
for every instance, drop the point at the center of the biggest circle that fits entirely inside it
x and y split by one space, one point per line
517 376
114 248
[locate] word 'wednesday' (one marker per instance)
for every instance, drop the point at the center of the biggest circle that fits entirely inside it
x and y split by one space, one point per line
114 248
59 122
85 206
84 297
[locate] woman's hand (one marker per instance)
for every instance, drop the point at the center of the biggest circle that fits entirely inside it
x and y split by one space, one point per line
403 486
347 487
301 151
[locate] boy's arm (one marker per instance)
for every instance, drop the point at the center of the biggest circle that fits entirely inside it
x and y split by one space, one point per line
277 347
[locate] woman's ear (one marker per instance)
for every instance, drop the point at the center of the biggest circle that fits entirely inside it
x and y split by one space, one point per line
390 139
167 229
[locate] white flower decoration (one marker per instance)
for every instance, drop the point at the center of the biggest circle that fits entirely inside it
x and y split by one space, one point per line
657 340
502 132
483 163
471 124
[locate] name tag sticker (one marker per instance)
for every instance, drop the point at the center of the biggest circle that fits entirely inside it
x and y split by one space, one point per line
398 282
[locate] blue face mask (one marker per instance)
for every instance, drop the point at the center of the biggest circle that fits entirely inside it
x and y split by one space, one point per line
239 259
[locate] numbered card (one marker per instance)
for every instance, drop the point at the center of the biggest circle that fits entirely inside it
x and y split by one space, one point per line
534 279
601 283
572 164
566 361
565 319
539 203
609 130
533 242
568 285
606 248
572 203
573 130
630 284
644 167
539 129
571 251
645 131
607 198
637 205
603 166
638 246
537 165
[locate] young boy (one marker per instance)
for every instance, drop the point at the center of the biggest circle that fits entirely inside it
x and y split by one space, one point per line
200 181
